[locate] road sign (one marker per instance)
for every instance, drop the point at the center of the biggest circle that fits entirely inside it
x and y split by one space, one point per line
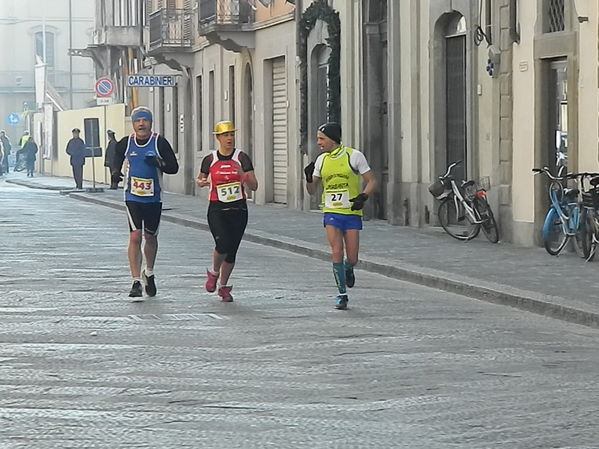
103 101
104 87
13 119
151 81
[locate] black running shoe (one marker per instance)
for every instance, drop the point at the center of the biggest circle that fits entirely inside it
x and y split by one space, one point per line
150 284
350 278
341 302
136 291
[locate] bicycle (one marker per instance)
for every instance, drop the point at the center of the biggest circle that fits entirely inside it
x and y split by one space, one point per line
464 209
566 214
590 202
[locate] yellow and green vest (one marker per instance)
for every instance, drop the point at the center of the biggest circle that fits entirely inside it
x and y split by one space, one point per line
340 182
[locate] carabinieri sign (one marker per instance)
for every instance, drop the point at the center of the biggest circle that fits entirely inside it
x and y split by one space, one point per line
151 81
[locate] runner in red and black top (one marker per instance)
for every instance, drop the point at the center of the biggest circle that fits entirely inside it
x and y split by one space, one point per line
228 172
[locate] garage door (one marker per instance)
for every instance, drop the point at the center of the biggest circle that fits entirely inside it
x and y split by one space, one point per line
279 130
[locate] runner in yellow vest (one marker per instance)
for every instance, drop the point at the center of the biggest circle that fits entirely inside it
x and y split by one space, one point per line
341 170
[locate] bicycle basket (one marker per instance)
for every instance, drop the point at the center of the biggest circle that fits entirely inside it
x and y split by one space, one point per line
437 188
484 183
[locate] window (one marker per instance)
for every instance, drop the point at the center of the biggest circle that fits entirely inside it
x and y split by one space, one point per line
48 55
554 16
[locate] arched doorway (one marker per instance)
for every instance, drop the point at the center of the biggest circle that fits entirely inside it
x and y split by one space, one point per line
456 143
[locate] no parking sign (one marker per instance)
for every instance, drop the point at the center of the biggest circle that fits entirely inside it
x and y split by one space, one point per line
104 87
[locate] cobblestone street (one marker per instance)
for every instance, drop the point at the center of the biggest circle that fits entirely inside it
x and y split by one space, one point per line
406 367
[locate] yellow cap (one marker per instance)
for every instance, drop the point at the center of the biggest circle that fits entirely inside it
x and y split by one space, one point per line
224 127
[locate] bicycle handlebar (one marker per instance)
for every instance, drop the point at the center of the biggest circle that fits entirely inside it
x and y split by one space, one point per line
546 170
449 169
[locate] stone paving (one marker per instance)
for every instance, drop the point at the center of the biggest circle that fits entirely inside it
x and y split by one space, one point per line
564 287
406 367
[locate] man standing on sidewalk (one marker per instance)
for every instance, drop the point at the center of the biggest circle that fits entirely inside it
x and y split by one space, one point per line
6 147
341 170
148 156
76 149
109 161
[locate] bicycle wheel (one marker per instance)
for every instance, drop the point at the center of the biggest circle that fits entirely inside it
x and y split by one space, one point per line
592 233
583 237
488 225
456 222
553 235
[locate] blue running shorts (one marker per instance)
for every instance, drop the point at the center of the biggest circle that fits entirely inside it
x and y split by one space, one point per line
343 221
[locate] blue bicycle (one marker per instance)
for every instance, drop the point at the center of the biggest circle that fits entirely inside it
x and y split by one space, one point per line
566 215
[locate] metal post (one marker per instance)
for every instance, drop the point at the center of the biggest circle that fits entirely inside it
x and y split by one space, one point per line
70 55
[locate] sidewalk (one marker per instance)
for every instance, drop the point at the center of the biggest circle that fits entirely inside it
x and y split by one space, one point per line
564 287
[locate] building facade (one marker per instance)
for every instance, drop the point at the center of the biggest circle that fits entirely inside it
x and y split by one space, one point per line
500 85
34 32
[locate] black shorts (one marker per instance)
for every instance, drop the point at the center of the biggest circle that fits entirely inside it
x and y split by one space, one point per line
144 216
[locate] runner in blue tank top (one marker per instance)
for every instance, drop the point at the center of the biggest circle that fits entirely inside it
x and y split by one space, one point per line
148 156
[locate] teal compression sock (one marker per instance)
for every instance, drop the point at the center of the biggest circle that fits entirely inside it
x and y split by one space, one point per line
339 272
348 266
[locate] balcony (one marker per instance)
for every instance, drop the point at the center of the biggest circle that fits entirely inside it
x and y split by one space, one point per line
171 30
118 36
228 23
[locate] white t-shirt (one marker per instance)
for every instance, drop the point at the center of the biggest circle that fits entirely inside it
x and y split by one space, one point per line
357 161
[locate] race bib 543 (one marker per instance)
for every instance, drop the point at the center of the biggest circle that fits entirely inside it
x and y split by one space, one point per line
142 186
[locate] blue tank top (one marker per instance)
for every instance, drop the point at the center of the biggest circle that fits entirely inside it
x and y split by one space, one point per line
143 179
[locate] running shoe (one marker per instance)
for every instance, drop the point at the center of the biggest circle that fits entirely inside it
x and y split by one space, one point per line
225 293
136 290
150 283
350 278
210 284
341 302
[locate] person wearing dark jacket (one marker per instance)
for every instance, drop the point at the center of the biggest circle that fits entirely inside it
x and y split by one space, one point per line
109 161
29 153
6 147
148 156
76 149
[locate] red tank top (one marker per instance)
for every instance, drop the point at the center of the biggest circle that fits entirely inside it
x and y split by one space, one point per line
225 179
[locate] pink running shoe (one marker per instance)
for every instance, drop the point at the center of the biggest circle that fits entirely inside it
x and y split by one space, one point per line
225 293
211 281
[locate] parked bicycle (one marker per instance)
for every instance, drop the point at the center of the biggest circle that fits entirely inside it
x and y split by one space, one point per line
569 215
464 209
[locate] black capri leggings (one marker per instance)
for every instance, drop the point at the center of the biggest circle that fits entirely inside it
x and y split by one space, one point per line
227 228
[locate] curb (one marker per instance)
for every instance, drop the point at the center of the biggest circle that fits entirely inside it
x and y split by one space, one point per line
473 288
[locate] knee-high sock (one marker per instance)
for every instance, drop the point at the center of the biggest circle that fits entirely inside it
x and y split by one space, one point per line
348 266
339 272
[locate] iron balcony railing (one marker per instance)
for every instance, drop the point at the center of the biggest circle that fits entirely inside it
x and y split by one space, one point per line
226 12
171 28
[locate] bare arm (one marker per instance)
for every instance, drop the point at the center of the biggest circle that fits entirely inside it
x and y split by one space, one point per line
250 180
371 183
313 186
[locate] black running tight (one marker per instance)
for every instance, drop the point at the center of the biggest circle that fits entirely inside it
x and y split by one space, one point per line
227 228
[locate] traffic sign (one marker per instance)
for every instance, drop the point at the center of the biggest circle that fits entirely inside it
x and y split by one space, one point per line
13 119
104 87
151 81
103 101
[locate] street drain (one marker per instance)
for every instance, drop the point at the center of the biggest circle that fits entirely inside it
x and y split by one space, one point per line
176 317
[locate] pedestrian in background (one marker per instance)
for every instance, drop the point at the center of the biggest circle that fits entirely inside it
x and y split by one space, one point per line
6 146
29 154
228 171
148 156
76 149
109 161
341 170
2 158
20 162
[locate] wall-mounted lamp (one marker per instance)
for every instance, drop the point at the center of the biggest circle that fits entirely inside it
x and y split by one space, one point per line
581 10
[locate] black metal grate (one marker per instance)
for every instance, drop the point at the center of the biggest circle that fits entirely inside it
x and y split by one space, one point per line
226 11
555 16
171 28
